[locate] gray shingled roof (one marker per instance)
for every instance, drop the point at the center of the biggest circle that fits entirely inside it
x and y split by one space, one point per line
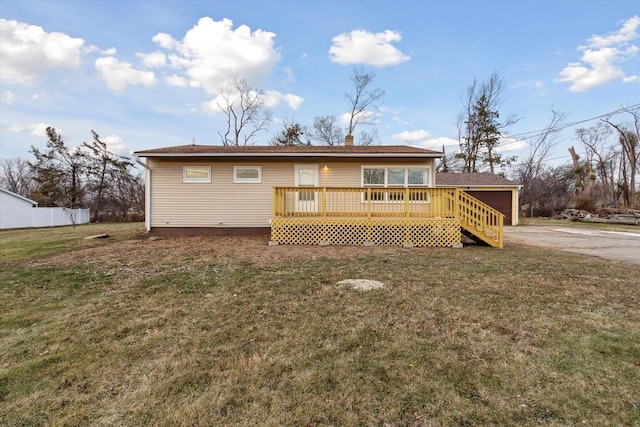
289 151
450 179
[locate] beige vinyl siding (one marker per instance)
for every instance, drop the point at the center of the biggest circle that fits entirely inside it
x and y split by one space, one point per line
223 203
220 203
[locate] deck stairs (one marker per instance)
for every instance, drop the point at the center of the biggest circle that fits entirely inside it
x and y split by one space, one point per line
479 221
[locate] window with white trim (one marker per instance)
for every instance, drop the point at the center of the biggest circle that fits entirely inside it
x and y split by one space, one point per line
247 174
396 177
196 174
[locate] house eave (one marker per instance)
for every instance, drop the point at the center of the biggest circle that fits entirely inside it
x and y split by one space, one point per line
293 155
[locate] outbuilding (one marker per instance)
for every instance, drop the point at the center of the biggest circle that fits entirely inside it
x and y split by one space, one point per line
494 190
15 210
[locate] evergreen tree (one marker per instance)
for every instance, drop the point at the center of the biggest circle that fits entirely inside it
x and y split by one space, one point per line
59 173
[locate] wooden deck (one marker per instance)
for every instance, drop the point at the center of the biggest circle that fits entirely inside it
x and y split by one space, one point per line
407 216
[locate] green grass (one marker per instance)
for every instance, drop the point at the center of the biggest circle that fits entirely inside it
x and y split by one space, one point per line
38 242
197 331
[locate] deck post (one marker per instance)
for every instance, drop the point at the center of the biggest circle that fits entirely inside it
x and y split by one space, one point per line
324 215
456 203
407 213
275 202
368 214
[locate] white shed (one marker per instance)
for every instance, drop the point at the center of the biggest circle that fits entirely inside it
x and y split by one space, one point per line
15 210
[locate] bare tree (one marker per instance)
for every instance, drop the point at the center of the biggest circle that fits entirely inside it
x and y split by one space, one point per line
628 138
531 168
368 138
449 162
16 176
362 98
244 111
327 131
602 160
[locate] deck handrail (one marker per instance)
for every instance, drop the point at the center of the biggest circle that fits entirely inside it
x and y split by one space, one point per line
480 219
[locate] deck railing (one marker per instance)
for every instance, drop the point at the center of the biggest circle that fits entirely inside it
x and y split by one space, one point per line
364 202
480 219
388 203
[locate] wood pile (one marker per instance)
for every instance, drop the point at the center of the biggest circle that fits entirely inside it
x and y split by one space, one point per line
608 216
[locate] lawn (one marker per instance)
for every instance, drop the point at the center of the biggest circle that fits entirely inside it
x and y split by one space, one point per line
229 331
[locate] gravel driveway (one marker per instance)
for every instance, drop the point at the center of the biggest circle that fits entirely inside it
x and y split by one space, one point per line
615 245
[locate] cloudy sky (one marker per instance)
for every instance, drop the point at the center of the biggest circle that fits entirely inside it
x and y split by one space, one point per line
147 74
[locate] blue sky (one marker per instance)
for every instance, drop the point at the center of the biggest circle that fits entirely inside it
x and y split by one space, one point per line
144 74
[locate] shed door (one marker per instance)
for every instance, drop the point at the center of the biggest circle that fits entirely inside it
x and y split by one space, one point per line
499 200
307 199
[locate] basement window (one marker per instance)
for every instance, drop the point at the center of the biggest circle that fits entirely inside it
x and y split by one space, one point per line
247 174
196 174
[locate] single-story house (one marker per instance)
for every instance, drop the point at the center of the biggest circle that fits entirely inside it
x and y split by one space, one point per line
311 195
494 190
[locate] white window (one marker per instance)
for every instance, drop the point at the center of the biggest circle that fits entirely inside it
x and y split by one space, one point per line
196 174
395 177
247 174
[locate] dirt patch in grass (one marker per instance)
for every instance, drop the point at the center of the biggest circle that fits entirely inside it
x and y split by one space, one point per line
203 250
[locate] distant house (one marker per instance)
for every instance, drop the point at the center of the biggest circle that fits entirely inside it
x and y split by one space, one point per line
347 195
494 190
17 211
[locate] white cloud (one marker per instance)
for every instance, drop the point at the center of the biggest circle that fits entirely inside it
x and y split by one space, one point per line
400 120
531 83
628 32
27 52
212 53
37 129
8 97
40 129
602 58
422 138
118 74
438 143
115 144
153 59
164 40
109 52
176 80
365 116
271 98
506 144
294 101
409 136
364 47
289 77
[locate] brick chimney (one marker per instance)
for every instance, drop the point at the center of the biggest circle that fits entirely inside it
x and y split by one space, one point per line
348 140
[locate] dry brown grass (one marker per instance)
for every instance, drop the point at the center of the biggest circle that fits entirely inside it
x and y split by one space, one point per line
228 331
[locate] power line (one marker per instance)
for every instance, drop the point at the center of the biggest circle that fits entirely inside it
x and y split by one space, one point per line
521 136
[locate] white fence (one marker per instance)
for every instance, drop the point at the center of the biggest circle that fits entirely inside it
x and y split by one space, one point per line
49 217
